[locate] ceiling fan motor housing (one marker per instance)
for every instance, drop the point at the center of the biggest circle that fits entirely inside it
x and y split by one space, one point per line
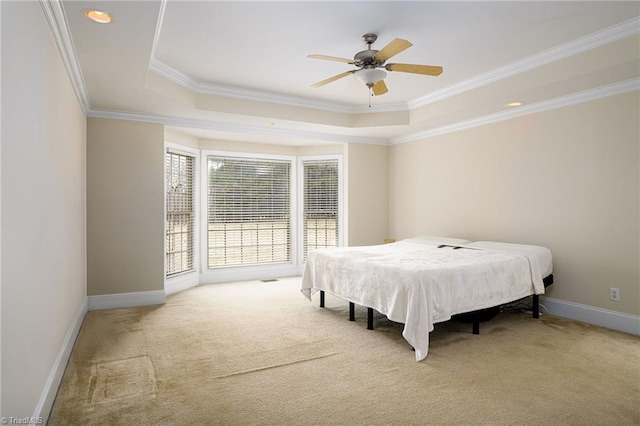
365 59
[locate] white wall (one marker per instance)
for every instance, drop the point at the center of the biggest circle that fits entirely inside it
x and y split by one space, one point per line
567 179
43 210
0 215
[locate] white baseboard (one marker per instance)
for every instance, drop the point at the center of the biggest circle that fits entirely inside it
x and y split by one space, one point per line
228 275
43 409
174 285
126 300
602 317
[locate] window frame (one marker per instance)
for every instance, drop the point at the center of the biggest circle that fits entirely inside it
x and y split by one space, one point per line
300 198
247 272
185 279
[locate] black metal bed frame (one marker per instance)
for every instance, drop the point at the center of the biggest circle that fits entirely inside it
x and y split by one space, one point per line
548 280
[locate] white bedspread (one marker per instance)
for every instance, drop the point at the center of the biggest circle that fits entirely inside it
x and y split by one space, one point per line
419 284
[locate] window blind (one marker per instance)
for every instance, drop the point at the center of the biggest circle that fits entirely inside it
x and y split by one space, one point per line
248 211
320 205
180 207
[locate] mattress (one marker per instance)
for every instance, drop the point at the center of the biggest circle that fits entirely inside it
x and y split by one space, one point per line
420 282
543 254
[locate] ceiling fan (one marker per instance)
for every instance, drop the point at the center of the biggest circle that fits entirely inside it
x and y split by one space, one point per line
369 61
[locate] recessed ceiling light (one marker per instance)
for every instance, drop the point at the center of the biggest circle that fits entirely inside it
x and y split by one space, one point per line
514 104
98 16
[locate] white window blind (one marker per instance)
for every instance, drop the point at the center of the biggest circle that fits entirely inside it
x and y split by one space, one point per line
180 213
320 205
248 211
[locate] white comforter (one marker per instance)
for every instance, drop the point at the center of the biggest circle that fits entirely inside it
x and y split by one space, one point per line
419 284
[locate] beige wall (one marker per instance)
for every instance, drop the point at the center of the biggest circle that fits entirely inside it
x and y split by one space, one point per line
341 149
367 168
246 147
43 207
125 205
567 179
262 148
180 138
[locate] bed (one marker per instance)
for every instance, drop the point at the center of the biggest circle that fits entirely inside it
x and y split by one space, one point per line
425 280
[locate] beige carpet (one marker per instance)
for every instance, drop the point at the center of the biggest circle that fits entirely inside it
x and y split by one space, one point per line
259 354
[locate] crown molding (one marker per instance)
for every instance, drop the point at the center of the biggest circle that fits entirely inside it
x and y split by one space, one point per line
156 35
259 96
54 12
559 102
574 47
600 38
235 128
55 15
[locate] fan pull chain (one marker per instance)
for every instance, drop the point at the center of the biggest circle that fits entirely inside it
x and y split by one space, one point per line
370 96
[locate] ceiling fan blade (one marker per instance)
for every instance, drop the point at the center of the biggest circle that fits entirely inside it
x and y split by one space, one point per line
380 88
415 69
332 79
392 49
332 58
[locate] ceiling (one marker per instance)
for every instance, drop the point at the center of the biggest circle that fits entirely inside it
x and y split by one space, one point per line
238 70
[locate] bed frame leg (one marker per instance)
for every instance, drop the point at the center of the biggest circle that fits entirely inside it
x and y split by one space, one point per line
476 323
321 299
352 311
536 306
369 318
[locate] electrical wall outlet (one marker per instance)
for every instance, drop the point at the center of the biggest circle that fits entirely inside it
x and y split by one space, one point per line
614 294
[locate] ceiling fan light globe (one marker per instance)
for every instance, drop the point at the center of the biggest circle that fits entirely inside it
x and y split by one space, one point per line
370 76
